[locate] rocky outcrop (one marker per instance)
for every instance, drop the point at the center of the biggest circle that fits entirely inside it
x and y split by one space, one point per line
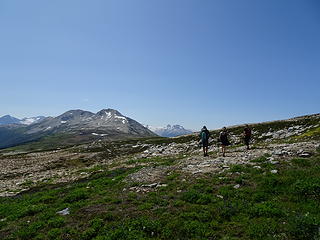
286 132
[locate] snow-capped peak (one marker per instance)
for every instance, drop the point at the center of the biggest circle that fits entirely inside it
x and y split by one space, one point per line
169 130
31 120
108 114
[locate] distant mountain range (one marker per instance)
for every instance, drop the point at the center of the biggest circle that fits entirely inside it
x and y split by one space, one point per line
71 127
7 119
169 130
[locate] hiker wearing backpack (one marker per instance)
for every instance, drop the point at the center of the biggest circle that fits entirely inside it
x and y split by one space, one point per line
247 136
204 137
224 140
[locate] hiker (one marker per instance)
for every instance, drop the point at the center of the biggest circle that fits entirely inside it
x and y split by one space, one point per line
224 140
204 138
247 136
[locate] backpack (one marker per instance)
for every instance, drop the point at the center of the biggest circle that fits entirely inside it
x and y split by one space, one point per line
204 136
223 136
247 132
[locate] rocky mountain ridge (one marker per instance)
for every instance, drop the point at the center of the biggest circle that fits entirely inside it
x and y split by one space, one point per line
169 130
7 119
75 126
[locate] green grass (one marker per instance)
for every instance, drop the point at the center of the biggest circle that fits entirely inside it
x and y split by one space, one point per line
46 143
261 159
266 206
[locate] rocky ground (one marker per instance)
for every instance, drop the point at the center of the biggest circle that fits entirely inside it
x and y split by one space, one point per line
194 165
21 171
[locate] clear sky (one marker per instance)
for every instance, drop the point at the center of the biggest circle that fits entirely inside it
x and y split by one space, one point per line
190 62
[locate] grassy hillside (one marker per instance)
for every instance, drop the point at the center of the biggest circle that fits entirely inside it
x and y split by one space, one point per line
283 205
162 188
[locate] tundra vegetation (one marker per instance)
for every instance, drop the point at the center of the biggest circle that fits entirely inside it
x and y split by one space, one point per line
162 188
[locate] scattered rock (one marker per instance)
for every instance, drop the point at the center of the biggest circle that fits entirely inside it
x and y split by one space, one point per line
236 186
280 152
162 185
270 158
64 212
277 152
274 171
152 185
305 154
274 162
149 174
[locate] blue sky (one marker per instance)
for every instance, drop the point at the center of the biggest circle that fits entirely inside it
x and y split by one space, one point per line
191 62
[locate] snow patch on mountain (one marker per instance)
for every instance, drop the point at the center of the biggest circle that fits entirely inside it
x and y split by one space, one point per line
97 134
109 114
48 128
31 120
5 120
